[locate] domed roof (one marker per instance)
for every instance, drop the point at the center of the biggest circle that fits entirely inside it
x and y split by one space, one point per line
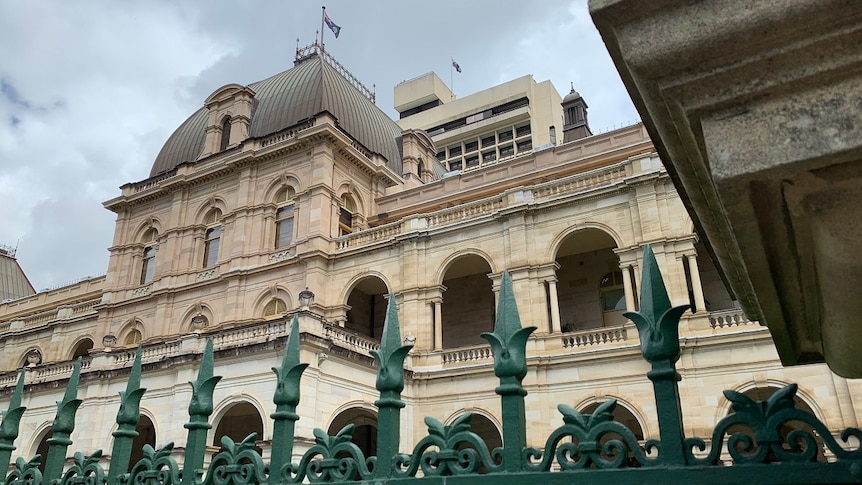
573 95
312 86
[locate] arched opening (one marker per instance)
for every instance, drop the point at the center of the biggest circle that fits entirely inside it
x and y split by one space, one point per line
146 436
238 422
367 302
82 348
627 418
364 431
763 394
715 295
42 449
345 215
468 303
589 281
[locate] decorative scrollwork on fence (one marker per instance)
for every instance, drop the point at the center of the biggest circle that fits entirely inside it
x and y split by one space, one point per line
763 432
84 470
26 472
596 440
157 467
449 450
331 459
236 464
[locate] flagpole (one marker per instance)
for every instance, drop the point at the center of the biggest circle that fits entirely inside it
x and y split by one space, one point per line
452 76
322 15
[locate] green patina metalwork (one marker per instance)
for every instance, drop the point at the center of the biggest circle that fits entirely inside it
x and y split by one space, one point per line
127 420
589 448
11 421
64 424
286 399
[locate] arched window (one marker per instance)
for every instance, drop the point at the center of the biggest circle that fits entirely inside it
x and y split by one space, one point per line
148 258
225 133
212 237
82 349
274 309
345 215
133 337
284 217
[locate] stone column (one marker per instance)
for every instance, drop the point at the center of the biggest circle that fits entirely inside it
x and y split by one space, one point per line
696 287
438 323
555 305
627 288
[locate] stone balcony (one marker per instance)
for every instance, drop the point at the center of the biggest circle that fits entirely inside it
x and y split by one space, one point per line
327 338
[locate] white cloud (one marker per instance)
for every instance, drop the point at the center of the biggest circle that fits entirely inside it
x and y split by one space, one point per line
95 88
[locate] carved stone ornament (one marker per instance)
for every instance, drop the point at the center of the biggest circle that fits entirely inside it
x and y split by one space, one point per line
34 357
109 340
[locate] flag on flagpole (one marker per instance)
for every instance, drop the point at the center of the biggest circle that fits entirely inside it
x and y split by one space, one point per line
332 26
454 64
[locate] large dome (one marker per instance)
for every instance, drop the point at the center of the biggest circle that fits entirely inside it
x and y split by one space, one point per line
310 87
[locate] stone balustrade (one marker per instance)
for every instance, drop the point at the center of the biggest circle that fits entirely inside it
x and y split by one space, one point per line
728 318
468 355
358 342
598 336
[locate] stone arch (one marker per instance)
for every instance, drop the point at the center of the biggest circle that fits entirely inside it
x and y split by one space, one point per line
468 302
590 286
554 247
284 180
147 435
35 351
449 260
215 202
366 297
348 189
364 419
39 444
624 412
197 317
267 295
82 346
132 325
146 225
238 416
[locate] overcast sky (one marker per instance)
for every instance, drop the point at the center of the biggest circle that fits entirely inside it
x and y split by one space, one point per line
90 90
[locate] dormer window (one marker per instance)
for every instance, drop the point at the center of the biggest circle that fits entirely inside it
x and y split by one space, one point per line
225 133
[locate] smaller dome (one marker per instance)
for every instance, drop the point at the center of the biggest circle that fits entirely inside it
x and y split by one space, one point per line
573 95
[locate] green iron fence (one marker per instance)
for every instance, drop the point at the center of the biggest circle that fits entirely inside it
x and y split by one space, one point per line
586 448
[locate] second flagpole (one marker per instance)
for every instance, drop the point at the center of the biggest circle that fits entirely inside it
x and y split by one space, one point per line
322 16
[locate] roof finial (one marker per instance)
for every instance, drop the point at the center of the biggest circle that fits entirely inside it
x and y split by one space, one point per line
374 93
570 82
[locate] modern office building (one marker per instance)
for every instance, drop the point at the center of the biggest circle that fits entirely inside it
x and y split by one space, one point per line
296 195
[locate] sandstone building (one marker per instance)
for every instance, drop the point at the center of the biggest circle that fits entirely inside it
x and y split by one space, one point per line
296 195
